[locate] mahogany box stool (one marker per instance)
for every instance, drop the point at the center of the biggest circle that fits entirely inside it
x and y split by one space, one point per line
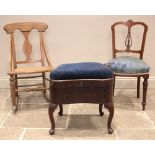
85 82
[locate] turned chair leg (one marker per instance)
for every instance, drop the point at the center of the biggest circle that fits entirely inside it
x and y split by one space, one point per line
16 85
44 83
138 87
13 93
51 110
111 113
61 110
100 110
114 85
145 85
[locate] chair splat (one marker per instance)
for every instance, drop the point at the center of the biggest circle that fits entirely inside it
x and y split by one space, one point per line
27 47
128 41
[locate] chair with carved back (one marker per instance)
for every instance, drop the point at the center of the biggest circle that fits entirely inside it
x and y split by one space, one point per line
130 66
27 67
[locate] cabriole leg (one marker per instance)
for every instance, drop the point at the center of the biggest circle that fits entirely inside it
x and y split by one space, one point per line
51 110
111 113
100 110
61 110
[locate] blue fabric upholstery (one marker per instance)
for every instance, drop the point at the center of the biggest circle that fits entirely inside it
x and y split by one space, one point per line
83 70
128 65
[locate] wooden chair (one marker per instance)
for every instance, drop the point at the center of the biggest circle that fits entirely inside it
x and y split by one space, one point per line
30 68
129 66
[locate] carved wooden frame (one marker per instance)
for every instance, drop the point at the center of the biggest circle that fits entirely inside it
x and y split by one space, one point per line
129 24
15 73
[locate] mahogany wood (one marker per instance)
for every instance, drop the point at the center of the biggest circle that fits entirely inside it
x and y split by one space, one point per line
97 91
129 24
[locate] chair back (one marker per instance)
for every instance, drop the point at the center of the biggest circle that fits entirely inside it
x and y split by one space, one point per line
25 28
128 42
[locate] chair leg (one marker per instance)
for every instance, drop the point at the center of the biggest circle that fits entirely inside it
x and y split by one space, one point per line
13 93
51 110
138 87
100 110
16 85
61 110
44 82
145 85
114 85
111 113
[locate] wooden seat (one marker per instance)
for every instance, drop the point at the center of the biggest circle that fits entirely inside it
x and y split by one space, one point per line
21 69
130 66
31 70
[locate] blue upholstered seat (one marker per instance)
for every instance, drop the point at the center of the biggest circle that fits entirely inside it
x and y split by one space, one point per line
128 65
83 70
